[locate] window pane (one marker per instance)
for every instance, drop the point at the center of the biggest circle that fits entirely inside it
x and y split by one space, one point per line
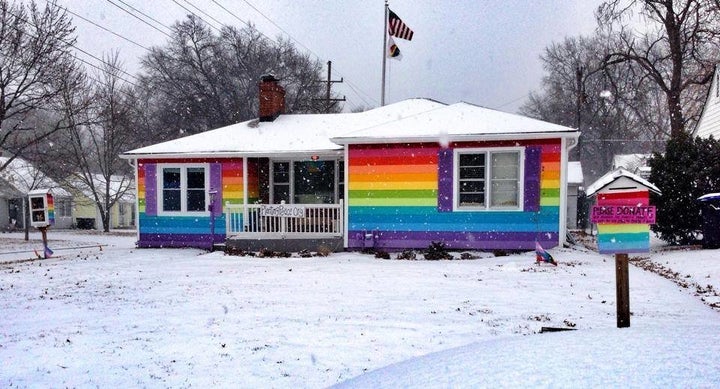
171 178
171 200
472 172
472 159
281 193
504 194
472 199
195 200
472 186
505 165
314 182
195 178
281 172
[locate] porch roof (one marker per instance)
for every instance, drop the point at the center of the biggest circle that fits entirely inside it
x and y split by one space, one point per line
287 134
457 122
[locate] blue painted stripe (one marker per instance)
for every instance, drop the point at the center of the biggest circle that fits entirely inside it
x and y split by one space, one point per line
393 210
180 224
624 243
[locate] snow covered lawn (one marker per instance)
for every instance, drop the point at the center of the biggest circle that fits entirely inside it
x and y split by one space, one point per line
124 317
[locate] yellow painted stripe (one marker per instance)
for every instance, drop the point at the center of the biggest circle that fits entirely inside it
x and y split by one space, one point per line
382 185
383 202
393 169
388 177
622 228
229 194
549 184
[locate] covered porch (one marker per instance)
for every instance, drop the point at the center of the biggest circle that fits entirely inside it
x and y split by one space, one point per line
289 203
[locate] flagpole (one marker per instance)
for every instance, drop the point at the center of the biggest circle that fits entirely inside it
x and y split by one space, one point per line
384 57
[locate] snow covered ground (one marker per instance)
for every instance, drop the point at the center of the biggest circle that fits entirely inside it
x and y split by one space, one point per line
123 317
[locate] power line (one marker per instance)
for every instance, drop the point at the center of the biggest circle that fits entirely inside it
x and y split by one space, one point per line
104 28
146 15
204 13
140 19
197 16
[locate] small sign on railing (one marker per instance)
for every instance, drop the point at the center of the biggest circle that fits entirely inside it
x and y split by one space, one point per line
282 210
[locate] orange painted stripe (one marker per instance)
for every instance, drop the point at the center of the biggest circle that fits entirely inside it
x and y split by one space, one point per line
397 160
408 177
392 169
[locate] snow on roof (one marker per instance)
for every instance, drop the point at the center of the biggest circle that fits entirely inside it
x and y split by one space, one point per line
709 196
118 184
286 134
575 173
24 177
630 161
457 122
615 174
408 120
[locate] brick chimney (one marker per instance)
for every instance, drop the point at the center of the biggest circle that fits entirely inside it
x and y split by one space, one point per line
272 98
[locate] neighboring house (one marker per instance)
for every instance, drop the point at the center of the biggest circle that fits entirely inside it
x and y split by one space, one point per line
574 184
18 179
87 215
634 163
709 123
400 176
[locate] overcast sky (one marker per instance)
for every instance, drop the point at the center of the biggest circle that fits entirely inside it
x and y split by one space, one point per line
484 52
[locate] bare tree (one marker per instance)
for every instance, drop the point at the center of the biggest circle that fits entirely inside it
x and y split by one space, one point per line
35 64
676 51
201 80
101 125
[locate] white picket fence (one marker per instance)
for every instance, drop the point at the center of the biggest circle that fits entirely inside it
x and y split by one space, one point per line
280 221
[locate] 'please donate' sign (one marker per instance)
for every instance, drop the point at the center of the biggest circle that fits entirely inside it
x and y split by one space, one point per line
623 214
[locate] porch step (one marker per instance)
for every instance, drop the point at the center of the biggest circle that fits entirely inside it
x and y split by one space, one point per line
218 247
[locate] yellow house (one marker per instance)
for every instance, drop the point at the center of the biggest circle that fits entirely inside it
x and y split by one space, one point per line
86 214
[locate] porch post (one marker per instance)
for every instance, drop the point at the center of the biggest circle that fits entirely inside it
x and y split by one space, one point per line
245 193
344 204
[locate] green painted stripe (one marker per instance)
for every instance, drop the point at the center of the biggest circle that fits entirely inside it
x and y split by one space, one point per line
399 193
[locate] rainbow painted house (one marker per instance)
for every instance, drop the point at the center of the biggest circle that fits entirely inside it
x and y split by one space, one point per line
395 177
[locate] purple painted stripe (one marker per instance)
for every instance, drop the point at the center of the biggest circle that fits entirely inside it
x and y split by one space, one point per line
445 180
201 241
150 189
532 178
216 185
455 240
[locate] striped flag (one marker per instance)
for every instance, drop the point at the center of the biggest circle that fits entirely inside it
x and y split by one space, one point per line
393 50
397 28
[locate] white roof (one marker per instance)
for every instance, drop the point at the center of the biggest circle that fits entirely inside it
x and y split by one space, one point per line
575 173
709 196
630 161
24 177
709 123
457 122
405 121
286 134
118 184
614 175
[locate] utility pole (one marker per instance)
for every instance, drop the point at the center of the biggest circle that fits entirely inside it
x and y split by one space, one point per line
329 101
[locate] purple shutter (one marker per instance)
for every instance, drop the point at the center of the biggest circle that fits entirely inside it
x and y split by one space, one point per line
216 186
532 178
151 191
445 180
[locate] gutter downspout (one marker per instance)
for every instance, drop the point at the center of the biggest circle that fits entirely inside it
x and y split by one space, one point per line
567 144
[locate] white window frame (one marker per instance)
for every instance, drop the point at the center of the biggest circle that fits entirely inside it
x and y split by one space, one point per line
488 178
183 189
337 185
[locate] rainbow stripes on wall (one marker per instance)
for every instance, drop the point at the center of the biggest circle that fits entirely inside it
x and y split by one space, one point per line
624 238
401 196
50 209
191 230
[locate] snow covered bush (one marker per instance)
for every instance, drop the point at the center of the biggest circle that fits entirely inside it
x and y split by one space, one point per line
689 169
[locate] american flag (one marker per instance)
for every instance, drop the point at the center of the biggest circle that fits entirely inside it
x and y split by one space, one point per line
397 28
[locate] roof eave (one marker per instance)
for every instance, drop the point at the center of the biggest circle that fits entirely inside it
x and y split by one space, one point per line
233 154
457 138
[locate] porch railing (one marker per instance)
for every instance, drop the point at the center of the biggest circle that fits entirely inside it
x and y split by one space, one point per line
281 221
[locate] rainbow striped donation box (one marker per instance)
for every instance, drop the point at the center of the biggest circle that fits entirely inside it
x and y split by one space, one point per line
42 208
623 213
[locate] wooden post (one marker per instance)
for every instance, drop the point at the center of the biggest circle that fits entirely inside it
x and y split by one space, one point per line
622 285
43 232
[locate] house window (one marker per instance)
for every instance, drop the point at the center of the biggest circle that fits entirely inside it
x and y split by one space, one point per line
281 182
307 182
184 189
488 179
